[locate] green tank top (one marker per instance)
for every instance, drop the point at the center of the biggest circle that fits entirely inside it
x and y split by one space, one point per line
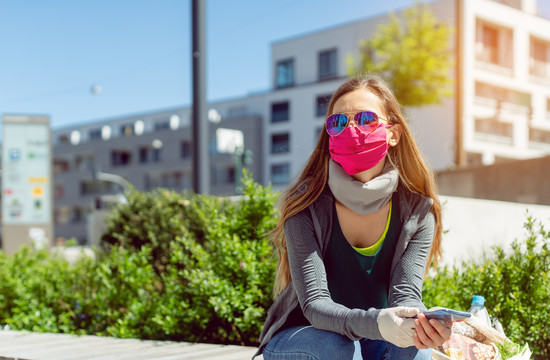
356 280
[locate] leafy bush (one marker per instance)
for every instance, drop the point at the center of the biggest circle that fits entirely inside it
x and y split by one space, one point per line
177 266
174 266
38 291
515 284
214 265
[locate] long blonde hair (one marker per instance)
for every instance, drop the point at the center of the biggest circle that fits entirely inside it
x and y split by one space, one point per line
405 156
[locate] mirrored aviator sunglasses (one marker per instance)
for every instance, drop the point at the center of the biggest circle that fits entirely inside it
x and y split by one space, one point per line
367 122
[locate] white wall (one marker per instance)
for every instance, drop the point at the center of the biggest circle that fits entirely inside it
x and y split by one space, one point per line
475 225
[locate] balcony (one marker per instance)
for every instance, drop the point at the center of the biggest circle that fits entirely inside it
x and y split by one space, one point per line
539 139
539 68
495 119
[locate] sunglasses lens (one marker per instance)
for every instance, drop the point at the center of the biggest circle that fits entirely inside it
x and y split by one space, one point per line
336 123
367 121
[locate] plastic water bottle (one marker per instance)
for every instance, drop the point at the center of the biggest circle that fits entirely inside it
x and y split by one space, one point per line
478 310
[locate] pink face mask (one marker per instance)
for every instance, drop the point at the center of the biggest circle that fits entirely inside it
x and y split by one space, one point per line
356 151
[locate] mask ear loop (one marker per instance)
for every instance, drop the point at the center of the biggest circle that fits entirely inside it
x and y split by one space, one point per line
391 150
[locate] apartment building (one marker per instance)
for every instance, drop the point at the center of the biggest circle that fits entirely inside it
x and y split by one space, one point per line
146 150
500 111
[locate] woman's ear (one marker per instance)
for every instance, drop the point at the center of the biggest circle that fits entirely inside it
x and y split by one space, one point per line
394 135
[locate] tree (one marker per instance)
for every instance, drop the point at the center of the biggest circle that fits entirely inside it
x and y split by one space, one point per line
412 55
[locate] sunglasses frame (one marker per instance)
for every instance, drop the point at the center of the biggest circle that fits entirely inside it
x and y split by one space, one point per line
347 115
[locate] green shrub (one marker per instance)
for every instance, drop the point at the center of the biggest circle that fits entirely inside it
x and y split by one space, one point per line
154 219
38 291
214 265
515 284
175 266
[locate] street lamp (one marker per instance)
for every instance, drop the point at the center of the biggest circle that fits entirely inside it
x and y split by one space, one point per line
231 141
113 178
96 222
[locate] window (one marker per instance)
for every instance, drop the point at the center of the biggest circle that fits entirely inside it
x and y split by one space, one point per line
321 105
94 134
540 58
285 73
327 64
126 130
494 45
162 125
493 127
143 152
489 39
59 191
61 215
149 154
63 139
91 187
222 175
280 112
539 136
78 214
60 166
280 173
280 143
168 179
502 94
120 157
84 162
185 149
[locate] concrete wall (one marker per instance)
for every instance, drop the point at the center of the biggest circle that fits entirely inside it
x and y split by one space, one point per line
522 181
474 225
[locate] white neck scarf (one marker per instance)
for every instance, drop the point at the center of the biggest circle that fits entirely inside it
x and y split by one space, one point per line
362 198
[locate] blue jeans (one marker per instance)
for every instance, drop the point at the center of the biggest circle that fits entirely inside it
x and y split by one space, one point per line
308 343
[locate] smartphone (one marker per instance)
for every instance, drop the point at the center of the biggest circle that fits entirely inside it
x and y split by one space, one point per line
447 314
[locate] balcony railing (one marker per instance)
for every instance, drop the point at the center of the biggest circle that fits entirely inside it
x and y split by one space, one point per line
539 68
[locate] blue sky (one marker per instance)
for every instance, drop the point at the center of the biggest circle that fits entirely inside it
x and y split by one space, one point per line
139 51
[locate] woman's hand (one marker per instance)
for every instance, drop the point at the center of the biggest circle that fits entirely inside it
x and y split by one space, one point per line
397 326
430 333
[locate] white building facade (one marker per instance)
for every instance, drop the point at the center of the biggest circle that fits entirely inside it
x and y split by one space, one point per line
506 81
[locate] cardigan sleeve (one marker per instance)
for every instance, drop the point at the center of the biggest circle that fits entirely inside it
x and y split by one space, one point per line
408 275
309 279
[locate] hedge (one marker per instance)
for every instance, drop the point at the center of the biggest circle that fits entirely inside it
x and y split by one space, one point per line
515 284
174 266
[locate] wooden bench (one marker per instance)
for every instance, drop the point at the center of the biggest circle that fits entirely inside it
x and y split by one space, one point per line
21 345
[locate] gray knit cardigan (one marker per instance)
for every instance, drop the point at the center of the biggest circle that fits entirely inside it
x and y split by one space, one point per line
307 235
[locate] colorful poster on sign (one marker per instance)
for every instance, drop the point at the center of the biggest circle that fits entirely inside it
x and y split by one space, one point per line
26 171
